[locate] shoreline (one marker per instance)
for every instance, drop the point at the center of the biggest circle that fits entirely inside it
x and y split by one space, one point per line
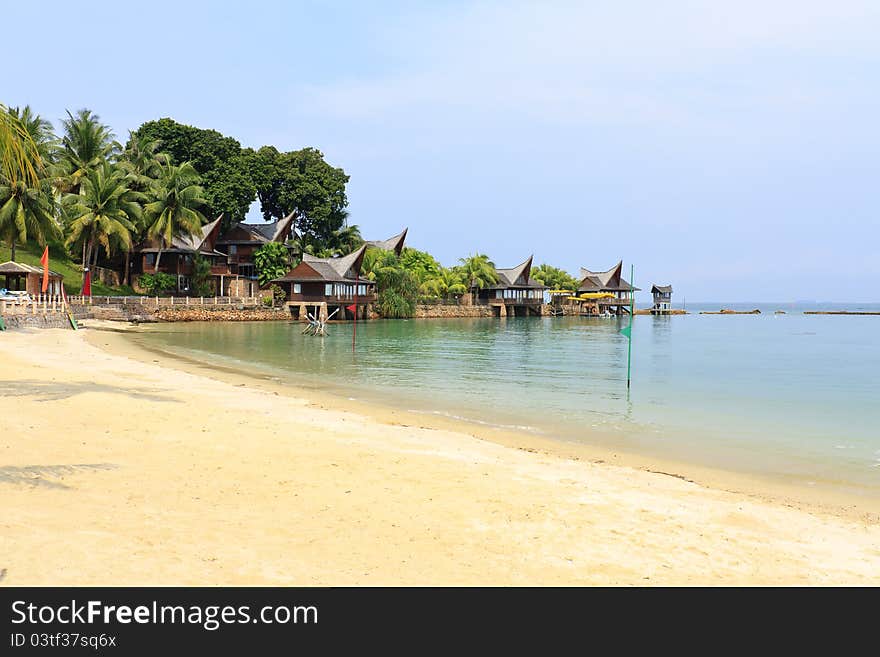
819 498
140 470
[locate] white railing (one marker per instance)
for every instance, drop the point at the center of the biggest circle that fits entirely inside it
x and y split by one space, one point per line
40 304
164 301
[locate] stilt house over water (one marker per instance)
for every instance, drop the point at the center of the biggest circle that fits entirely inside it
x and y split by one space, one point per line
321 285
515 294
604 291
662 299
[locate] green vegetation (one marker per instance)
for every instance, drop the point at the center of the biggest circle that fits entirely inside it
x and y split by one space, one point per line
202 281
554 278
159 283
272 260
92 199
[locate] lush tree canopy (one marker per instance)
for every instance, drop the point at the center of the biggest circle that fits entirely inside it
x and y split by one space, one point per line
554 278
304 182
224 167
272 260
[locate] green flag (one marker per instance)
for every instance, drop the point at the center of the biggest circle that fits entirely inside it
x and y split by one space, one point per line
627 331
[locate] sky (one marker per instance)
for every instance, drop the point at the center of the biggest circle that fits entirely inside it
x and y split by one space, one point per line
730 149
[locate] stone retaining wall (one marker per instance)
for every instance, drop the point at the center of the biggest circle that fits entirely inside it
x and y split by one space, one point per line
439 310
220 314
49 320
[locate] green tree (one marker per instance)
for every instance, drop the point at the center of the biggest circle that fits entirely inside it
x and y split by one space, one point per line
446 284
158 283
85 145
303 181
223 165
397 287
174 208
27 207
554 278
272 260
478 271
202 281
346 239
19 155
142 159
421 263
103 213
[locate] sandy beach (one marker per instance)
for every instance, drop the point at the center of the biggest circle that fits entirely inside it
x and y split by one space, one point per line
126 470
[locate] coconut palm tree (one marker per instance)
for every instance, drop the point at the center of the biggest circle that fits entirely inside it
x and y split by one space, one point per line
19 156
478 271
103 213
142 159
86 143
26 212
174 209
27 207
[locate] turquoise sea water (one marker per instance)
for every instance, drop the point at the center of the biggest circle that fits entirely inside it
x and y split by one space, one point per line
788 396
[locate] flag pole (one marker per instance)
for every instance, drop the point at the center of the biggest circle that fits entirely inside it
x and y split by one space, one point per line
632 301
354 331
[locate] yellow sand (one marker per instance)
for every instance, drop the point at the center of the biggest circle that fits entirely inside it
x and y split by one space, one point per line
177 478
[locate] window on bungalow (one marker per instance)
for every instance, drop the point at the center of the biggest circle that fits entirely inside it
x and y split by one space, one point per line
297 288
150 258
328 289
233 249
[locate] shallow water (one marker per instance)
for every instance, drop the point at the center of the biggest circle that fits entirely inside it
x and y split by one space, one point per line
784 396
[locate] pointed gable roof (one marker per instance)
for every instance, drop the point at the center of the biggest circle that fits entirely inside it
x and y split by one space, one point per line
392 243
10 267
202 241
661 289
610 280
277 231
346 268
519 276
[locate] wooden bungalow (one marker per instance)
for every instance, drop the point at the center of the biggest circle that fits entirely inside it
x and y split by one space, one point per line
662 299
19 277
604 292
391 244
241 241
515 293
321 286
177 258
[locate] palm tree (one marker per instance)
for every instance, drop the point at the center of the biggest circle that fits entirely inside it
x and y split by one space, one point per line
478 271
142 160
174 210
26 212
39 130
26 204
103 213
19 156
86 143
447 283
346 239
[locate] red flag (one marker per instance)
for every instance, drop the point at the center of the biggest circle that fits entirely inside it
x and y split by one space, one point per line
87 284
351 308
45 262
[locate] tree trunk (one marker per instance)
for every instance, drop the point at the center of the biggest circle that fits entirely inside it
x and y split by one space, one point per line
159 255
13 249
127 267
